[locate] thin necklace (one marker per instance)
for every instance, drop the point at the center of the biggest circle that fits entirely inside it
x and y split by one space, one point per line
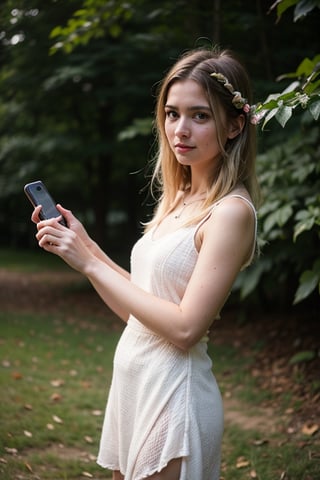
186 204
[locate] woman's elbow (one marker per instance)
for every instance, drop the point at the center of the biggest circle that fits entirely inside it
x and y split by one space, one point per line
188 339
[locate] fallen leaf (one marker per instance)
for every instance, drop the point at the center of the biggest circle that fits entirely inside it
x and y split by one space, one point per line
27 434
6 363
12 451
309 430
283 476
88 439
27 406
87 475
50 426
289 411
57 419
242 462
96 413
57 383
3 460
86 384
28 467
260 442
17 375
253 474
56 397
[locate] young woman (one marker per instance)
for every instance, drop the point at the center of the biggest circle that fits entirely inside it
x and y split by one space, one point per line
164 417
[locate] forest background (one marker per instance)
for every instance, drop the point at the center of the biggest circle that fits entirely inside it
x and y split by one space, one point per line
77 89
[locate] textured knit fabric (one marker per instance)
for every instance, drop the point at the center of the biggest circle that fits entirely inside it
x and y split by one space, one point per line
163 403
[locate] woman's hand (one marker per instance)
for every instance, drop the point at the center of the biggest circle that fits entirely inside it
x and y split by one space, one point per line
72 222
64 242
72 244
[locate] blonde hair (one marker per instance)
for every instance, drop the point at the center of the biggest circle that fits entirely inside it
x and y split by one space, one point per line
237 162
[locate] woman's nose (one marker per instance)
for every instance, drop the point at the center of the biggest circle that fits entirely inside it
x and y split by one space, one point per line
182 128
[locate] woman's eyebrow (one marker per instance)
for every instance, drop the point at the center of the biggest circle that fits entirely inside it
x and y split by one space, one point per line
194 107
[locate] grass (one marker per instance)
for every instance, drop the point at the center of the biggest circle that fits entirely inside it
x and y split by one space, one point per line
54 381
29 260
55 371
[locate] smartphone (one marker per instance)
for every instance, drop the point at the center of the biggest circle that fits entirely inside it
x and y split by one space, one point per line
39 195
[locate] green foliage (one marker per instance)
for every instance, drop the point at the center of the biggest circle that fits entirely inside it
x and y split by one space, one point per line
139 126
290 178
94 19
302 7
309 281
289 219
81 119
304 92
302 357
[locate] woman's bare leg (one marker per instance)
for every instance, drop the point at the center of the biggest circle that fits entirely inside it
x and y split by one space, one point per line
116 475
170 472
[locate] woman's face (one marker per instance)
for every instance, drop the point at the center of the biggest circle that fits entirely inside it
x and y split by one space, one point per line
190 127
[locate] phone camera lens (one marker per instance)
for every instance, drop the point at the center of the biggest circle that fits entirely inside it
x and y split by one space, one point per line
38 188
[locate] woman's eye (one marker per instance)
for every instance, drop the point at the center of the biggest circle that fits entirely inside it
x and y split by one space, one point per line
201 116
171 114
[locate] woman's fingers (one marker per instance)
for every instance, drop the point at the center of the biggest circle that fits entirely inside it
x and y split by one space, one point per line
45 237
66 213
35 214
55 238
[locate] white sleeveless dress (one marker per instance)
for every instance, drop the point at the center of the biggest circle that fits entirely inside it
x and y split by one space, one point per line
163 403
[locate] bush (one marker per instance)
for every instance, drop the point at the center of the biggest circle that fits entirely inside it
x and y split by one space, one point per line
288 270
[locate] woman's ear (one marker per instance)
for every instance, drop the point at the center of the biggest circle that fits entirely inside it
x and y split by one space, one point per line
236 127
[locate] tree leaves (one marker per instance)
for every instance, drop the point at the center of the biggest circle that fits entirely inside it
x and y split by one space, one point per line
308 282
95 20
279 217
289 219
302 7
304 92
301 357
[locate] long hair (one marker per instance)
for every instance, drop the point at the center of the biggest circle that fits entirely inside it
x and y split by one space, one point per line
238 155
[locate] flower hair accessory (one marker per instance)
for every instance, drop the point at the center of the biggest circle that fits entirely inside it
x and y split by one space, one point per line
238 100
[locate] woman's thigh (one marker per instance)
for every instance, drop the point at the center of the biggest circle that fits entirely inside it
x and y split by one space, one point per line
117 476
170 472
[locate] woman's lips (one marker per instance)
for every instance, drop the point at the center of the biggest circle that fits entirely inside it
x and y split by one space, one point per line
182 148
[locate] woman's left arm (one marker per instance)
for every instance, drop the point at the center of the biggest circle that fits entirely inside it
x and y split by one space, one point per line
227 240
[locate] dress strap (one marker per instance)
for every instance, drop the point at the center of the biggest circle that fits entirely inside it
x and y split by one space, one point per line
254 248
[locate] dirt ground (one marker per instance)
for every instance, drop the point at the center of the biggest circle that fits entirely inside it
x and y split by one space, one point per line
279 337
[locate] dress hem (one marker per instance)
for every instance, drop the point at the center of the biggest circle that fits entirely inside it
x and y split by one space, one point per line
148 474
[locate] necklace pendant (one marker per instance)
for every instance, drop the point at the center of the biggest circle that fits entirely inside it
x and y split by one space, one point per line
178 215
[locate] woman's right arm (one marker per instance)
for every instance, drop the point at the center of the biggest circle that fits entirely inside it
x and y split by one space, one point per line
75 225
101 255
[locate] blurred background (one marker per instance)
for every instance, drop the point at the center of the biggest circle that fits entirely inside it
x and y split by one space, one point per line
77 89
